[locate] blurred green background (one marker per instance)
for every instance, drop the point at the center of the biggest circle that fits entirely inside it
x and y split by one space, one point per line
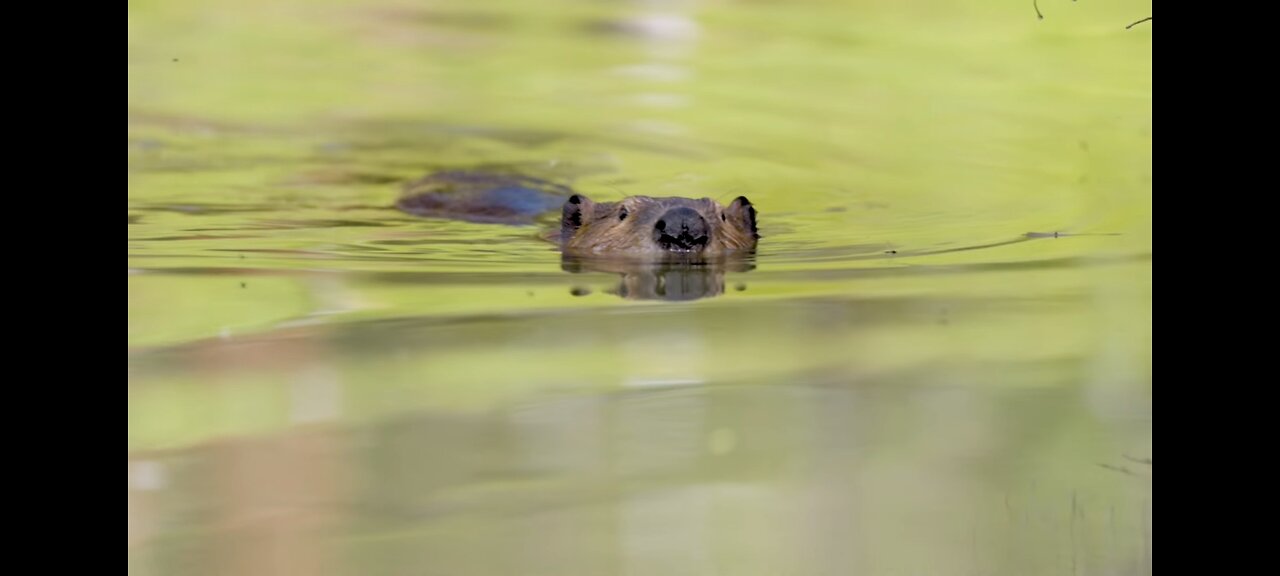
941 363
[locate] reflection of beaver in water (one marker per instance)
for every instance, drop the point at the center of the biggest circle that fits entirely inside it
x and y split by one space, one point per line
638 226
658 280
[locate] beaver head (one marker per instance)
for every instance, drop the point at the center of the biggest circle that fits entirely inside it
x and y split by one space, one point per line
645 226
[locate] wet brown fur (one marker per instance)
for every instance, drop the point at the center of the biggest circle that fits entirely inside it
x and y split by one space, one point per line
626 227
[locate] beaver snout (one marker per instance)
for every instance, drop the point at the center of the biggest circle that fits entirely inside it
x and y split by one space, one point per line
681 230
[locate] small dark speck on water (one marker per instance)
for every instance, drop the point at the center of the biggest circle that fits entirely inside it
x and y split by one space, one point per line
579 291
529 293
242 256
243 285
740 287
175 59
890 251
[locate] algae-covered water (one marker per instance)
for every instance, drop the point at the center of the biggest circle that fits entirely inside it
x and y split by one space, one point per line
938 361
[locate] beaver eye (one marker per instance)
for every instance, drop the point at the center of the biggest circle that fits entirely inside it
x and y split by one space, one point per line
722 218
622 215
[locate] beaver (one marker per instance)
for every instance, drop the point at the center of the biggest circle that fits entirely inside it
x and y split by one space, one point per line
660 248
641 227
647 226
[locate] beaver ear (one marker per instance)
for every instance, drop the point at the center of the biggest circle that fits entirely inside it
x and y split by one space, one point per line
745 213
573 214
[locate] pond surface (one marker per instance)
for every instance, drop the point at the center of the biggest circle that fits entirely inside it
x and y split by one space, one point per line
938 362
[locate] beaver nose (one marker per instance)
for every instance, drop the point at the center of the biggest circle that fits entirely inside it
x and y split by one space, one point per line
682 221
681 229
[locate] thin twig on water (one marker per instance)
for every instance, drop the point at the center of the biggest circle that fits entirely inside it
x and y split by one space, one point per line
1147 19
